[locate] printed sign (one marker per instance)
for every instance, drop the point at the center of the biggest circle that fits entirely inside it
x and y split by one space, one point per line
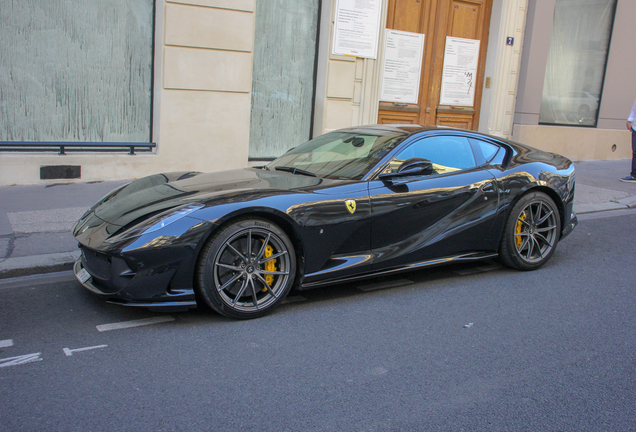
402 66
357 28
461 58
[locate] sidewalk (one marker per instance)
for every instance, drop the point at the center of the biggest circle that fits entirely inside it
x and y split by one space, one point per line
35 221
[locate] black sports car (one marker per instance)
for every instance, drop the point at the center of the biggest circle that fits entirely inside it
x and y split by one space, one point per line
349 204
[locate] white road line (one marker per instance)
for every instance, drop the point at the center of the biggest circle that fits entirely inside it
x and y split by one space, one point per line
134 323
69 352
6 343
14 361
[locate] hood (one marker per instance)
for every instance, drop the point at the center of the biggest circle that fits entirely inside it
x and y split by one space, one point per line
160 192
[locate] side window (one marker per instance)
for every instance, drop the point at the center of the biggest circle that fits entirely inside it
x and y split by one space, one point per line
447 153
484 151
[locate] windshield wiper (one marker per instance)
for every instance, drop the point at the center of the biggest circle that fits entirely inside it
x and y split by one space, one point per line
295 171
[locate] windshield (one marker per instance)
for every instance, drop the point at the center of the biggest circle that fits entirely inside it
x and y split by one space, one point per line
339 155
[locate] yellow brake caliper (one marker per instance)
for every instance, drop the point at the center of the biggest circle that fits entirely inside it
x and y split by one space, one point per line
269 266
518 228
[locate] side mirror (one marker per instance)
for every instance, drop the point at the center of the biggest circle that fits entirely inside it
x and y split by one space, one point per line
410 168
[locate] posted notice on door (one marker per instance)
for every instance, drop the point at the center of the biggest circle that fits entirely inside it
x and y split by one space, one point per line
357 28
402 68
461 59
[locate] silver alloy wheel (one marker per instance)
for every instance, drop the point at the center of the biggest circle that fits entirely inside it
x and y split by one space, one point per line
536 231
243 264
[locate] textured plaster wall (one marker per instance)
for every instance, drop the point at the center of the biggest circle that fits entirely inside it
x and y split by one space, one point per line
75 71
203 67
283 76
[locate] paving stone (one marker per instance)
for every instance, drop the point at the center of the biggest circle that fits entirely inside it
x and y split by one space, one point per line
585 194
55 220
43 243
4 247
629 201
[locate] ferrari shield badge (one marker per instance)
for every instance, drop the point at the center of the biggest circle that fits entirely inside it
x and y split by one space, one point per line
351 206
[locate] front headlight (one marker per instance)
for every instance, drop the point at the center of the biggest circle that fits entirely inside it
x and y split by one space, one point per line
155 223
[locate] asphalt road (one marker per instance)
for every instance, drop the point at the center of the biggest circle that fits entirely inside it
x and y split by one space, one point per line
462 348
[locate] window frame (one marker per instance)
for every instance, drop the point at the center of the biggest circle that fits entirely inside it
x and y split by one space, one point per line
602 83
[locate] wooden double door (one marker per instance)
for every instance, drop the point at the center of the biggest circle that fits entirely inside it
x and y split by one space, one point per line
437 19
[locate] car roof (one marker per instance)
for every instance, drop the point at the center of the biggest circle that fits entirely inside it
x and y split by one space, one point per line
410 129
395 128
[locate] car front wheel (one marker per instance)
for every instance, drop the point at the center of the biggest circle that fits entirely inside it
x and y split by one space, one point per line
531 233
246 268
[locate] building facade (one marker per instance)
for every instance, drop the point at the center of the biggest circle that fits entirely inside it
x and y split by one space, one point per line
576 82
221 84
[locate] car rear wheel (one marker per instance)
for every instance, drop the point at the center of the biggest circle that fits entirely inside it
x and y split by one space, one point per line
531 233
246 268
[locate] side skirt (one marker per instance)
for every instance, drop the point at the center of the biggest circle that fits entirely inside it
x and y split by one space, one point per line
474 256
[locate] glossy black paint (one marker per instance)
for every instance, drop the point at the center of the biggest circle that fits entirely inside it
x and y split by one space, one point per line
398 223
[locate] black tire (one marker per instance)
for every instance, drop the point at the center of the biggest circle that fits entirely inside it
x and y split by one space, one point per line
234 273
531 233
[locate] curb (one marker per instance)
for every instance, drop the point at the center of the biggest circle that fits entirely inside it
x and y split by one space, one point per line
37 264
622 204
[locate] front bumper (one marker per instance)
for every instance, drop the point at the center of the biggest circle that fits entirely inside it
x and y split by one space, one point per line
570 221
569 226
151 270
128 289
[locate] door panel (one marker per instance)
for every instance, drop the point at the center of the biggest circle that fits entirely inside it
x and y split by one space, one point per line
461 118
437 19
465 19
403 117
437 216
336 235
406 15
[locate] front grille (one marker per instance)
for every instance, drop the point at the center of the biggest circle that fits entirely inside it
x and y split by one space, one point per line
97 264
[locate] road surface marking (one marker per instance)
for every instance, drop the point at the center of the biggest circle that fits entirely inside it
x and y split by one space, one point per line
14 361
69 352
6 343
134 323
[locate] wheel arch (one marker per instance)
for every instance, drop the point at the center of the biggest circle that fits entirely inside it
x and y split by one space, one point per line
275 217
554 196
535 253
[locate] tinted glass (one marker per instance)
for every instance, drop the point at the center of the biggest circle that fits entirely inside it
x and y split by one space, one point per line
447 153
577 56
344 155
484 151
283 75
